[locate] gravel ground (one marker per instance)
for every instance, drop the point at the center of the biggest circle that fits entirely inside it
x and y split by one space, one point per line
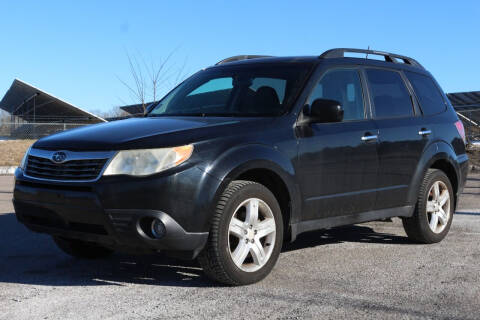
364 271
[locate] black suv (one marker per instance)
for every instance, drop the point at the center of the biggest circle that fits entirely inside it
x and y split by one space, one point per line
249 153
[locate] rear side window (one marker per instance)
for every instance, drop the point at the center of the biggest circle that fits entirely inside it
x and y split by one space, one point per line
429 96
390 96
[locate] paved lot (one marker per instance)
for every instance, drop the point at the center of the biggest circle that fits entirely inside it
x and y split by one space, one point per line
364 271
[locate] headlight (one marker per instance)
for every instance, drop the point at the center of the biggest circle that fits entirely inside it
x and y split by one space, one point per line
147 161
23 163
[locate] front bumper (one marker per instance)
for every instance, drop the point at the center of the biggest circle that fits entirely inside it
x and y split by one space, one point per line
110 211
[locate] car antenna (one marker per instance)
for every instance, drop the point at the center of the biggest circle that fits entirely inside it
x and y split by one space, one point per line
366 55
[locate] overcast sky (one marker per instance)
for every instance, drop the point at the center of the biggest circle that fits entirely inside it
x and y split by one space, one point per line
76 50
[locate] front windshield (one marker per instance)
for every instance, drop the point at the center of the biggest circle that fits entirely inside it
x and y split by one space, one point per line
246 90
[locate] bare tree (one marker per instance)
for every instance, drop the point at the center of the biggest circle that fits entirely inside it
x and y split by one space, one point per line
147 79
4 123
138 89
157 74
4 117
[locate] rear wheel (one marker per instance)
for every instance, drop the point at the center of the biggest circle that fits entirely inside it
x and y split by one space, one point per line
245 237
433 214
82 249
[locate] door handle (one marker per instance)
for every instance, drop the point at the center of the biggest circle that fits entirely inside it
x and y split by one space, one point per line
424 132
369 137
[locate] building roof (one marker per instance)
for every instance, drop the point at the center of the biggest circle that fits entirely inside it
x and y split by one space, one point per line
32 104
465 101
137 109
134 109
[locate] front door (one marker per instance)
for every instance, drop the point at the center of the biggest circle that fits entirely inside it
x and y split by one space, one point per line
338 161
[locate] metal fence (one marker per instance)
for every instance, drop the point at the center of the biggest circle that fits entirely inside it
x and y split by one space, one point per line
17 130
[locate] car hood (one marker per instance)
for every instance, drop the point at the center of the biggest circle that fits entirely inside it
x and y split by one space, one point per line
140 133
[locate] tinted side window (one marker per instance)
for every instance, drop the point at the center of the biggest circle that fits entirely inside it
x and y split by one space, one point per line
430 98
344 86
389 94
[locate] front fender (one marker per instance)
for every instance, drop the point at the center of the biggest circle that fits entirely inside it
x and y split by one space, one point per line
238 160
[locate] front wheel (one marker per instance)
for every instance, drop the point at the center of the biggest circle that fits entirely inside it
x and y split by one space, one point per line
433 214
246 235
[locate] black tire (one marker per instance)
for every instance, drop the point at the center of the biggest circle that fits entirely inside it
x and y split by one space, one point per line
417 227
216 259
81 249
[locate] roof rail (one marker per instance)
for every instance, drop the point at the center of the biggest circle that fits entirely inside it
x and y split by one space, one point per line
240 57
389 57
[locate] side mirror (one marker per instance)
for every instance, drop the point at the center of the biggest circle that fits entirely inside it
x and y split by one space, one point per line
324 110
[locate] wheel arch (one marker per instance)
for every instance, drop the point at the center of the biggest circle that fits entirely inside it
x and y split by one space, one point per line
438 155
264 165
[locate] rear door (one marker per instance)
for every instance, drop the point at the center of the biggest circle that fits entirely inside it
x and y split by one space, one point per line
402 135
338 161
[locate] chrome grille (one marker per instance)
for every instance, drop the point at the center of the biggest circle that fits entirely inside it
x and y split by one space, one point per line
85 169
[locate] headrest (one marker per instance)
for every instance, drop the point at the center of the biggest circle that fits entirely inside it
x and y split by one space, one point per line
266 100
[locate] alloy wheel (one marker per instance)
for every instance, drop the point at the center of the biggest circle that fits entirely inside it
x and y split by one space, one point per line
438 206
251 235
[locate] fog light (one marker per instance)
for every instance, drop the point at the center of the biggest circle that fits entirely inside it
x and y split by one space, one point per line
157 229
